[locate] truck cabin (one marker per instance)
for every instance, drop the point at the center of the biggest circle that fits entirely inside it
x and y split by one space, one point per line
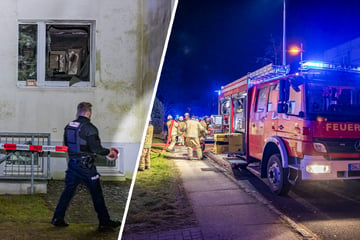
328 94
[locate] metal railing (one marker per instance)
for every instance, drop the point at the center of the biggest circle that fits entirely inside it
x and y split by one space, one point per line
19 165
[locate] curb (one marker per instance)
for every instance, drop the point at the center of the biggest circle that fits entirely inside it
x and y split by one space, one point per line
298 228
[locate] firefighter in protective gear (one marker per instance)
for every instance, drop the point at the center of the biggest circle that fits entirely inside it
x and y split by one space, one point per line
208 121
83 142
173 127
203 123
202 134
182 127
193 128
187 116
145 155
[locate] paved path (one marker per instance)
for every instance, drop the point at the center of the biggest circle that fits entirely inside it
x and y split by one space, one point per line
180 234
224 210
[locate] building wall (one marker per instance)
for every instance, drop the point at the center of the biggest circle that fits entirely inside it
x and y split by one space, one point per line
347 53
129 39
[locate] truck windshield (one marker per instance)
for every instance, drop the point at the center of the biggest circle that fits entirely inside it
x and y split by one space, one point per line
335 97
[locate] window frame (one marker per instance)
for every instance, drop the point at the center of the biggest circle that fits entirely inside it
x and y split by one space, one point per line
273 93
41 54
293 104
262 94
240 117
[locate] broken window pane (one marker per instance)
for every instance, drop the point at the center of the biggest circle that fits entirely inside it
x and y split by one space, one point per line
68 53
27 52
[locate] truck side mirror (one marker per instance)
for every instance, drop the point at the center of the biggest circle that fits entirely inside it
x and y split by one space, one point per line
284 90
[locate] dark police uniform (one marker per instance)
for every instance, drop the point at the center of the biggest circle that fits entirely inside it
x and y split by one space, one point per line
83 142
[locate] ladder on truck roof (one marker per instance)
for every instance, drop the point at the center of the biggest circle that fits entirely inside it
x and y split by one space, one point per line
263 74
267 73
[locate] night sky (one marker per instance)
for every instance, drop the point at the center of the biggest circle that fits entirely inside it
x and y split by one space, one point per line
215 42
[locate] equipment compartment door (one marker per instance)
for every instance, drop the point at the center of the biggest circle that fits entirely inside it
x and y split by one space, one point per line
258 116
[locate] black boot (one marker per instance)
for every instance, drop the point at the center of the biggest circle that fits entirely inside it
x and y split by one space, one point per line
108 226
59 222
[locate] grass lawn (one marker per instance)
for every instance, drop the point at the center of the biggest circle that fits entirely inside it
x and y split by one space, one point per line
158 201
28 216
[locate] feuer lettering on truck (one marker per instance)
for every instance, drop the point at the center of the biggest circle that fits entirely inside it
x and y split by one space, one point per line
352 127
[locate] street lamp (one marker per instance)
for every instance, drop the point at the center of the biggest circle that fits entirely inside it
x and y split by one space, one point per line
296 50
284 36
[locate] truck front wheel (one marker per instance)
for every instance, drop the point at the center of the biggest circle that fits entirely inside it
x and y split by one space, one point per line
277 175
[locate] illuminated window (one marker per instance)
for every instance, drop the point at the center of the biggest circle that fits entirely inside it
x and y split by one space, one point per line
56 53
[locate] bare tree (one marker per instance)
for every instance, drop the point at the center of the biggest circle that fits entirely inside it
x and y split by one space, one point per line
272 52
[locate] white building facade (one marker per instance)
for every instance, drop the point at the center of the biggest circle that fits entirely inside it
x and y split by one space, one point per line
56 54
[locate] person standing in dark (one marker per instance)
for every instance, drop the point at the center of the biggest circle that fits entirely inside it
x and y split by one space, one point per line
83 142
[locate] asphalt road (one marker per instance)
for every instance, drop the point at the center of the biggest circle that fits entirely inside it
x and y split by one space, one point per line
329 209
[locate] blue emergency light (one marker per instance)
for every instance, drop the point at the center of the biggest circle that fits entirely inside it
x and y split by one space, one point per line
322 65
314 64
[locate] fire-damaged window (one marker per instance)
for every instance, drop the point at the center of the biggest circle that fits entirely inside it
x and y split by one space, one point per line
56 53
67 53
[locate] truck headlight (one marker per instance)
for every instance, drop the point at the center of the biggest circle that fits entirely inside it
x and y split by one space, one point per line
319 147
318 168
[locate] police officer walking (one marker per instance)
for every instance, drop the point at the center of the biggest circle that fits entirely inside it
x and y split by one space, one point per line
83 142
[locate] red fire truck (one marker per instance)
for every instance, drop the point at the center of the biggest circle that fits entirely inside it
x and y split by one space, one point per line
300 126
